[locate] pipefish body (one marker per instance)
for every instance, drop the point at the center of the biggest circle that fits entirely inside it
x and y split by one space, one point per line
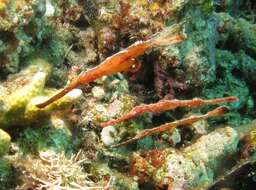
120 62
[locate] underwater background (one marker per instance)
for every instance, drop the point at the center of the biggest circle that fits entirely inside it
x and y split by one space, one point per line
46 44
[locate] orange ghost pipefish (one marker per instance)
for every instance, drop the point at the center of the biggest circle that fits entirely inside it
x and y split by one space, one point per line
121 61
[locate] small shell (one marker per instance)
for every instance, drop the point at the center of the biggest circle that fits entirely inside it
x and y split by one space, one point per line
49 9
109 135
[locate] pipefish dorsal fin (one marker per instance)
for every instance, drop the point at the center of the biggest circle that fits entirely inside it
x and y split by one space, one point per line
169 35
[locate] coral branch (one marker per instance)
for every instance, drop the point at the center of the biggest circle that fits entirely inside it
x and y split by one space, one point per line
186 121
167 105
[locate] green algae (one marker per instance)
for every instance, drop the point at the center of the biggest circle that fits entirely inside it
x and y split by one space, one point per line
7 177
34 140
229 84
5 142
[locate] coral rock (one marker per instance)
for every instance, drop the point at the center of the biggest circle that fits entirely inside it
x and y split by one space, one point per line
196 165
23 90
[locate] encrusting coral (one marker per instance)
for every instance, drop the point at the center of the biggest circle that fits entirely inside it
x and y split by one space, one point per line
23 90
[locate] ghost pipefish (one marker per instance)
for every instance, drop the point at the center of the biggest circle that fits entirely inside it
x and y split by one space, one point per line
120 62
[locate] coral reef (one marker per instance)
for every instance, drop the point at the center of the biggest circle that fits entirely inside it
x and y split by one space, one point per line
45 44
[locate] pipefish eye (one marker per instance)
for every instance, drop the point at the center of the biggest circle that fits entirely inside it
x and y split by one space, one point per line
134 66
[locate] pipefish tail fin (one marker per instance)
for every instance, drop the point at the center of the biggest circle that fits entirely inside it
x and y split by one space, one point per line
58 95
170 35
53 98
